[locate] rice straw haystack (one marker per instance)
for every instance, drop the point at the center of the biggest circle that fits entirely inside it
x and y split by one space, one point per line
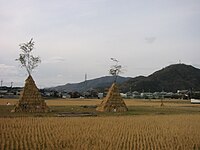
113 102
30 99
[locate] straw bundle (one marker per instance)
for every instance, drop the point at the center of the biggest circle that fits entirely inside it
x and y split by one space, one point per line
31 99
113 102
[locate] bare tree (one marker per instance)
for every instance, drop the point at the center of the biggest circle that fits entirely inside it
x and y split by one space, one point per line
116 69
27 60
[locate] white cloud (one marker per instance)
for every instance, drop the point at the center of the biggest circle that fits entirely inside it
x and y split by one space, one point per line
7 70
60 76
55 59
10 74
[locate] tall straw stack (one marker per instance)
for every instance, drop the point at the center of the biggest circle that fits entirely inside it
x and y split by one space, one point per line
31 99
113 102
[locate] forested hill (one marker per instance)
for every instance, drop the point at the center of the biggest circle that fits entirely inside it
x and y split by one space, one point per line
172 78
98 83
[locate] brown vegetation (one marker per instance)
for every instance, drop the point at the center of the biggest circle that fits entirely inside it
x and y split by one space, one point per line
113 101
177 129
127 132
31 99
129 102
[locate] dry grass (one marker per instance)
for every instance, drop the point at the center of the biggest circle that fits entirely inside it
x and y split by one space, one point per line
72 102
4 101
171 131
129 102
58 102
130 132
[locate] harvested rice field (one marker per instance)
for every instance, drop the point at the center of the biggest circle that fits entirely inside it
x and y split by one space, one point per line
145 126
124 132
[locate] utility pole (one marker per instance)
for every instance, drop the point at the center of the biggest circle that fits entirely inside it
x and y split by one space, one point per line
85 77
1 83
11 84
85 86
85 80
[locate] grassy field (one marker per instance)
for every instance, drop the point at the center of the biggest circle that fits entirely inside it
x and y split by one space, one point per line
146 125
136 107
129 102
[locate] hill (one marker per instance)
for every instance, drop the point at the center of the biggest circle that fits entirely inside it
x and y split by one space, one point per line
172 78
98 83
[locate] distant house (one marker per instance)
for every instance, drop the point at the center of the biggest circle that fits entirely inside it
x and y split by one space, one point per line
129 94
65 95
100 95
195 95
168 95
10 95
18 92
156 95
182 91
195 101
135 94
184 94
123 95
3 93
47 94
146 95
10 92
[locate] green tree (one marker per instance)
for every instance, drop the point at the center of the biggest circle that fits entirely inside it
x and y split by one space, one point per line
27 60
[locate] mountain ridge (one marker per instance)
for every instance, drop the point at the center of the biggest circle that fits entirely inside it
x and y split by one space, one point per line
171 78
100 82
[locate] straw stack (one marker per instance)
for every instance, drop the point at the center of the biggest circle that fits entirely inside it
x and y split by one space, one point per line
113 102
31 99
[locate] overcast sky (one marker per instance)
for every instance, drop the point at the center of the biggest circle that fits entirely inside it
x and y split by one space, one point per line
74 37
